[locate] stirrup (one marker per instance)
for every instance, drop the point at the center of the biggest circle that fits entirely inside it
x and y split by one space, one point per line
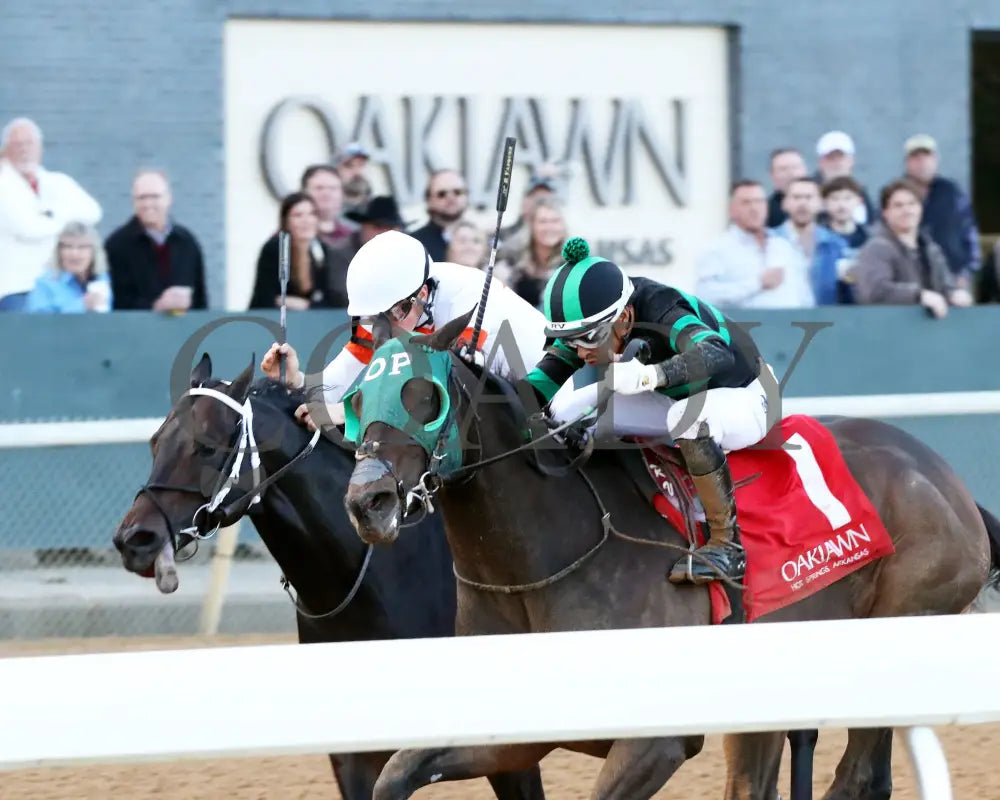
693 569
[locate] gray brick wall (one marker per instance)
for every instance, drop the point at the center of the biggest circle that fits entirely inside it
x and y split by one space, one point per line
116 86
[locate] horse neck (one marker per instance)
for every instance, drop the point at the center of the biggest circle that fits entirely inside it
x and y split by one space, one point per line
301 517
408 591
505 525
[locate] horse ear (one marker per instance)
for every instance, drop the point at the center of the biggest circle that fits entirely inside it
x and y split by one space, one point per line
446 337
239 389
202 371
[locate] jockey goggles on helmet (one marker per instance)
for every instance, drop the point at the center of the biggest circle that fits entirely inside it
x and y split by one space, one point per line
402 309
595 336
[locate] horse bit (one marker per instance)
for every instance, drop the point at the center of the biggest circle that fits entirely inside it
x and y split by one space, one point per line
247 444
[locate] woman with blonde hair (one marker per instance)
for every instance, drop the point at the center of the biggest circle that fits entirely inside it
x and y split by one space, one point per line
77 280
546 227
468 245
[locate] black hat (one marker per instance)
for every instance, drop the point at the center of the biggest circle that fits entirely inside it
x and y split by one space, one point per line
381 209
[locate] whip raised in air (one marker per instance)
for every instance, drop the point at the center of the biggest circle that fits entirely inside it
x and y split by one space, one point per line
506 167
284 257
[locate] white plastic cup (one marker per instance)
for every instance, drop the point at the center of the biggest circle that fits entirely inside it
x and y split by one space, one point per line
102 291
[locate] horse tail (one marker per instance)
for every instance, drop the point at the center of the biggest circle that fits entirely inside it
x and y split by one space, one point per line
993 531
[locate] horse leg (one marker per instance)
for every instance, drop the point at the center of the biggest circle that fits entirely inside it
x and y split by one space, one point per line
854 775
881 785
803 744
409 770
636 769
753 761
522 785
356 773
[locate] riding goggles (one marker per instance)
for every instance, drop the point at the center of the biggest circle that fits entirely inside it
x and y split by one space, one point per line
592 338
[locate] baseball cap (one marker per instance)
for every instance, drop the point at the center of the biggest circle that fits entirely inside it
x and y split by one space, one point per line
921 141
352 150
834 140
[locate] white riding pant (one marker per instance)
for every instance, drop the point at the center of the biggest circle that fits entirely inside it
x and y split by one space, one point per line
736 417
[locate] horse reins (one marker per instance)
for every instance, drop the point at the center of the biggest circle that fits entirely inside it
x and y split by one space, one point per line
225 483
424 492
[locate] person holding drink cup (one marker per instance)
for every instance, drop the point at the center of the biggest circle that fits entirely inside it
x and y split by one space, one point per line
78 278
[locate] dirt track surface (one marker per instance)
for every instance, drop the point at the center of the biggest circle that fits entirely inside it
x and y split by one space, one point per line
973 756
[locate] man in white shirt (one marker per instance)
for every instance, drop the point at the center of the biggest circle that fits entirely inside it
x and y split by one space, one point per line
35 205
751 266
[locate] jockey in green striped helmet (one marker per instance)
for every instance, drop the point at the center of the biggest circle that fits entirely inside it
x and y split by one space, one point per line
701 384
584 299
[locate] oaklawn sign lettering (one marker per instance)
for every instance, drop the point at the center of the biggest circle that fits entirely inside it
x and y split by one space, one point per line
610 157
636 119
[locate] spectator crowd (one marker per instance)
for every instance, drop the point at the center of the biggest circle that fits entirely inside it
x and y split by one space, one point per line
819 238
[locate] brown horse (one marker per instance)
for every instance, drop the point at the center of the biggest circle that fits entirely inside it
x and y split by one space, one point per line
513 531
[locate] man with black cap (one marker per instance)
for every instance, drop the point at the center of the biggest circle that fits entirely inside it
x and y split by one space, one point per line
379 214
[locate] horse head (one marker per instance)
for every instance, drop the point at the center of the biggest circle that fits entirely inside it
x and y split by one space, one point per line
403 415
206 463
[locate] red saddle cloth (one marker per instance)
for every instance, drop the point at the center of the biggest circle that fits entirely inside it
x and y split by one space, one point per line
804 521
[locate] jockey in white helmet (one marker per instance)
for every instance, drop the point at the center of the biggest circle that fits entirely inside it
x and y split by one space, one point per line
393 273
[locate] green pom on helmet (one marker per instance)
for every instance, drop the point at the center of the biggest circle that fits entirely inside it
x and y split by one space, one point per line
575 250
585 294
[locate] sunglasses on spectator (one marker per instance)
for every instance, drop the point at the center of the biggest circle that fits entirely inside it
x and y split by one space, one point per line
440 194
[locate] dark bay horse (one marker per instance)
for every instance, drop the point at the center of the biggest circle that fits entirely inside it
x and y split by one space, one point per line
398 594
534 554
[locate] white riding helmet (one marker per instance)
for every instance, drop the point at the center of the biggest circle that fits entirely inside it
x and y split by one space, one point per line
387 269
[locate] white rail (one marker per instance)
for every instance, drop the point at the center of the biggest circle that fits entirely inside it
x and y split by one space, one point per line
480 690
132 431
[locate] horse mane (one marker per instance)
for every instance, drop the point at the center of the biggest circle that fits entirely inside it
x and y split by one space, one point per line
278 395
285 400
496 385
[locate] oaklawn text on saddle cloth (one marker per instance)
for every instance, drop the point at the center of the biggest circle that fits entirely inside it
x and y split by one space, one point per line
804 521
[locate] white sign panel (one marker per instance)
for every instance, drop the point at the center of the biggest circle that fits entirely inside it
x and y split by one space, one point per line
640 116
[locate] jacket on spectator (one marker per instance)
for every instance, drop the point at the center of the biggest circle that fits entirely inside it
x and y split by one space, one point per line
775 213
61 293
140 269
329 277
887 272
828 250
949 219
30 222
431 236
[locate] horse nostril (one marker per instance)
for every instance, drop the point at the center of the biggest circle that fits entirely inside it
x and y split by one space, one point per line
381 502
141 539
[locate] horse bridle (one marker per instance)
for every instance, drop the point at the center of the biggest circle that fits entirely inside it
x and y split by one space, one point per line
225 483
432 481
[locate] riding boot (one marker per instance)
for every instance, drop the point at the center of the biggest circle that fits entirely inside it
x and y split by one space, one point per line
709 470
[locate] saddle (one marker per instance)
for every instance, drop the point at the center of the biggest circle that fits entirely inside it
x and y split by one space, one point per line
659 475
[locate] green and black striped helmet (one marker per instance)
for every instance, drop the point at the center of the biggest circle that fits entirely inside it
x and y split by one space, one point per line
584 296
